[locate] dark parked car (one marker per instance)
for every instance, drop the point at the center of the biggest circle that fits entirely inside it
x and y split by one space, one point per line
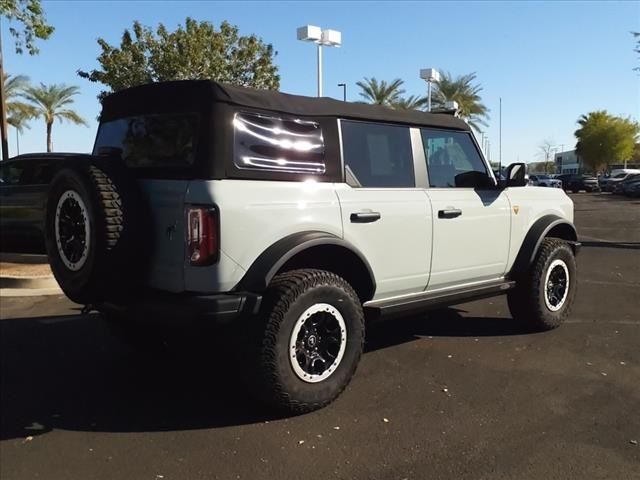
619 187
632 189
24 181
574 182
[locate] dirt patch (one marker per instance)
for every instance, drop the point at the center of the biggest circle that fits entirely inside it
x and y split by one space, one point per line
25 270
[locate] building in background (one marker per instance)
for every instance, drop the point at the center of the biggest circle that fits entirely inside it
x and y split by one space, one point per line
568 162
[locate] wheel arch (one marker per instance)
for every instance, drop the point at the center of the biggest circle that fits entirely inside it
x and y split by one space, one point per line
311 249
545 227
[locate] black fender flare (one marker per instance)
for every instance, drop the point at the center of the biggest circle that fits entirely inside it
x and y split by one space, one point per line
269 262
536 234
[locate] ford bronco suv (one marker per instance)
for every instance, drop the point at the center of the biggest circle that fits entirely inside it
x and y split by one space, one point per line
298 219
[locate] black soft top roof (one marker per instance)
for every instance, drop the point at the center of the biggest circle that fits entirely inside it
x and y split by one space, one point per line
188 95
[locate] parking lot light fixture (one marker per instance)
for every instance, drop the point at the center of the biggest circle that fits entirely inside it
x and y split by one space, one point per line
431 75
326 38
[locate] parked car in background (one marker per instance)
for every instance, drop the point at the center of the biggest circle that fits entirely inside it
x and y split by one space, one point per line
574 182
24 182
544 180
632 189
619 187
608 184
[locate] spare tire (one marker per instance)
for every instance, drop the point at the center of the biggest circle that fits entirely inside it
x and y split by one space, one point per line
95 227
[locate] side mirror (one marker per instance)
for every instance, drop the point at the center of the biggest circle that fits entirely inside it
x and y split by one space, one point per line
515 175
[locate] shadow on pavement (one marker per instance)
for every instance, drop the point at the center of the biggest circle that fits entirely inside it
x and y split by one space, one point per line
623 245
70 373
440 323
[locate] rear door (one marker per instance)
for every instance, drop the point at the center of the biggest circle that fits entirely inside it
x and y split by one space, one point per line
384 215
471 226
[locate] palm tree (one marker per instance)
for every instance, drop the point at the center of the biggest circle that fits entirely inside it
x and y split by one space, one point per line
462 90
412 102
50 102
18 112
381 93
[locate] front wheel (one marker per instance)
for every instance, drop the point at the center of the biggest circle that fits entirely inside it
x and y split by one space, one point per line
543 297
311 338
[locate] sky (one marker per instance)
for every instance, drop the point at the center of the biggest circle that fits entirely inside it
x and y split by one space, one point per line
550 62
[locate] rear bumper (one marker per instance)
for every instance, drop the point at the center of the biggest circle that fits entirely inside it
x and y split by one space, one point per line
155 306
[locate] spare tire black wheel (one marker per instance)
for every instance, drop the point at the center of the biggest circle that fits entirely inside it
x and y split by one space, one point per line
94 230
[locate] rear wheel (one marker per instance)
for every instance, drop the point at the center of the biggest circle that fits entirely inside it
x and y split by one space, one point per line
543 297
309 341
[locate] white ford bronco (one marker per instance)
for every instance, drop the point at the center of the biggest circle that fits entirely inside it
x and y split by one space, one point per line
299 219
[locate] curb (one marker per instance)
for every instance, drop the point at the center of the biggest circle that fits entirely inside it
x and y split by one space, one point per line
12 282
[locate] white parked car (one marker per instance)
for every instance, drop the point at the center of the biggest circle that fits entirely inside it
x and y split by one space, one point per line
543 180
298 219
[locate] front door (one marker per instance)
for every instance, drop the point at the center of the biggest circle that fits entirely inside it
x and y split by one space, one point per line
471 226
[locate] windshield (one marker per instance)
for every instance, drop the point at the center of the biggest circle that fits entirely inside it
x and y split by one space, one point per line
620 175
151 141
543 177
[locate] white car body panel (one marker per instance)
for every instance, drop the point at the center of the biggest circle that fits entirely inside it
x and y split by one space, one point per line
531 204
398 246
473 246
253 216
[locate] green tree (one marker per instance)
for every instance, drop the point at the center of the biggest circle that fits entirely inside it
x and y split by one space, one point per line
381 93
195 51
412 102
603 139
34 26
18 112
466 92
52 102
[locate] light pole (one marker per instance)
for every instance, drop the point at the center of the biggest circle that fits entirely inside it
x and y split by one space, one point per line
344 91
328 38
430 75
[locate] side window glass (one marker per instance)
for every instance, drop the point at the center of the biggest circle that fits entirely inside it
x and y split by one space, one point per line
278 144
451 157
12 174
377 155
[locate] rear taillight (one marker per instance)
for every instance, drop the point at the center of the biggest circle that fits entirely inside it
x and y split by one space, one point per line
202 235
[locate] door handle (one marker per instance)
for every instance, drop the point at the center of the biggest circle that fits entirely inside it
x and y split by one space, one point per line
365 217
449 213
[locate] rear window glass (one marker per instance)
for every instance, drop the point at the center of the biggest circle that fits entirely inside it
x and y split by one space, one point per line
151 141
377 155
278 144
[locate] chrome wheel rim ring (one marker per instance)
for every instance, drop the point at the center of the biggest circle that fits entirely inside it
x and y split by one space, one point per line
72 229
556 285
317 343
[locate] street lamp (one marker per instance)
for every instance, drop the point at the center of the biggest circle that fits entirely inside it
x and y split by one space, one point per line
344 91
328 38
430 75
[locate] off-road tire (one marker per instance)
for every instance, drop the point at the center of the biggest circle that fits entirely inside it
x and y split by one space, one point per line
118 251
527 300
288 296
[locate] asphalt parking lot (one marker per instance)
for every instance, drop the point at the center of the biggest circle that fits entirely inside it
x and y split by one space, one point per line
456 394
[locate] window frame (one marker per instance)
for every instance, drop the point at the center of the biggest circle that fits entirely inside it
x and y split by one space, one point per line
474 143
414 152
